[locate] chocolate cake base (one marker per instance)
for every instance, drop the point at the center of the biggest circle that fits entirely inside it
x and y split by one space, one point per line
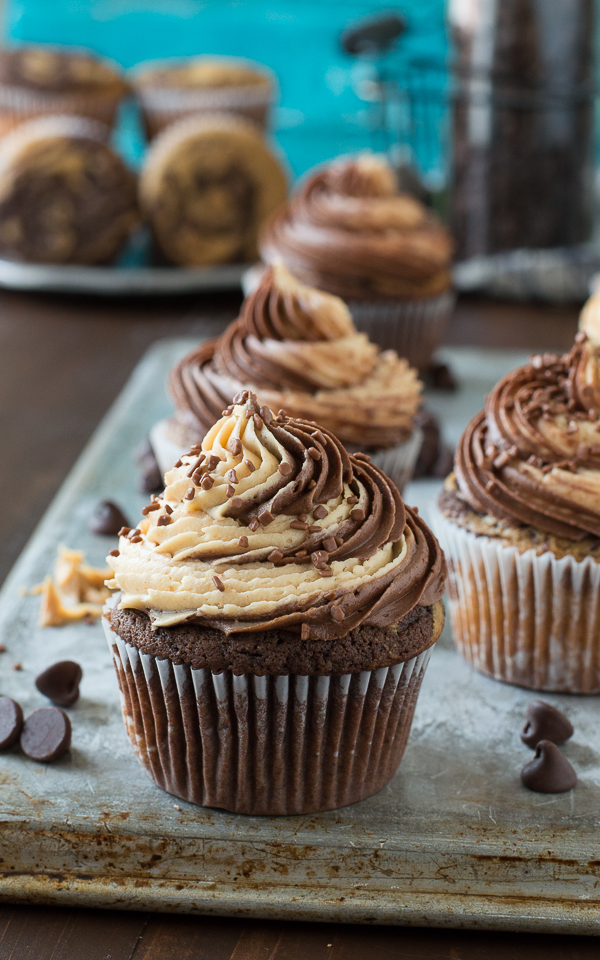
277 744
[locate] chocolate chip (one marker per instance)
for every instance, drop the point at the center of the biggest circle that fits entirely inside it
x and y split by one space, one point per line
11 722
137 539
442 377
107 519
266 414
241 397
60 682
314 528
168 509
545 722
549 771
46 734
320 512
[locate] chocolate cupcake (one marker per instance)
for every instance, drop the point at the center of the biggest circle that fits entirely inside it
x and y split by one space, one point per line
276 612
65 196
519 520
208 185
349 231
36 81
298 348
171 90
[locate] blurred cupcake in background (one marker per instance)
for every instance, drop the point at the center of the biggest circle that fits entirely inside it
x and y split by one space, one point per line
36 81
348 230
299 350
208 185
519 520
65 196
276 611
170 90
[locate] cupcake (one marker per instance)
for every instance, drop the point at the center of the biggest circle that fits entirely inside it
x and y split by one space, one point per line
171 90
297 347
65 196
36 81
519 520
349 231
276 610
208 185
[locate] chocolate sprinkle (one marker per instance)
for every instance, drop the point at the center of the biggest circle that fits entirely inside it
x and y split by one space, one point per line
218 584
337 613
320 512
243 542
189 494
206 482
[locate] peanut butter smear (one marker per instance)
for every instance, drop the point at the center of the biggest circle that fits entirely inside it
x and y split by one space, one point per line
270 523
298 348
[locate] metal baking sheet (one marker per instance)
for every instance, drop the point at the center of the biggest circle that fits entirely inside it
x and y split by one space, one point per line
454 840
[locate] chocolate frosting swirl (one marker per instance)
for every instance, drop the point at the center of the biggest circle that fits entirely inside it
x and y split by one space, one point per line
532 457
298 348
273 524
348 230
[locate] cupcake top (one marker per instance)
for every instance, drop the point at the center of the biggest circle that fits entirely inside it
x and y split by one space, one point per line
349 231
532 457
272 524
44 70
298 348
204 72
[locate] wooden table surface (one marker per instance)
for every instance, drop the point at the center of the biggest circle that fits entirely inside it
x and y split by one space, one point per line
62 363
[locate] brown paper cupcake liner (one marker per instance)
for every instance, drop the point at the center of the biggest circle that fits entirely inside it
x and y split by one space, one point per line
18 105
413 328
274 745
523 618
163 106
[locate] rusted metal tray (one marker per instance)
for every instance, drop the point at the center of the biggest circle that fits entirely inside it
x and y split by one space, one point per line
454 840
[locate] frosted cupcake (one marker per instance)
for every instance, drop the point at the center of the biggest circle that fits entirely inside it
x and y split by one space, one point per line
519 520
36 81
299 349
171 90
348 231
276 611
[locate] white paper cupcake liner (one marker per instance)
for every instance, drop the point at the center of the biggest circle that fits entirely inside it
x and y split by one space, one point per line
275 745
163 106
527 619
413 328
18 104
397 462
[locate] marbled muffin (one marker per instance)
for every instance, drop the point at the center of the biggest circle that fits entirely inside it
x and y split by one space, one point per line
520 522
208 185
348 230
171 90
36 81
65 196
276 611
298 348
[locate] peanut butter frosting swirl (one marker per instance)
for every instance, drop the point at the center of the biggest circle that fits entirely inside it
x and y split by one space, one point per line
349 231
272 524
533 455
299 349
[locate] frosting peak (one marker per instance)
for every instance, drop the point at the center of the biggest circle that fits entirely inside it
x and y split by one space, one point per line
272 523
533 455
348 230
299 348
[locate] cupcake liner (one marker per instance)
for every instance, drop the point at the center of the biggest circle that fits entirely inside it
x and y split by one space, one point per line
398 462
272 745
17 105
413 328
162 106
523 618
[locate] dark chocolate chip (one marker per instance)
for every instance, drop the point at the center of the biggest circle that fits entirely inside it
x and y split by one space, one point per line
151 479
60 682
46 734
11 722
549 771
545 722
107 519
442 377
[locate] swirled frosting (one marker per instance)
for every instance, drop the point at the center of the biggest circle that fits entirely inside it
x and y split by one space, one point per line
348 230
272 524
299 349
532 457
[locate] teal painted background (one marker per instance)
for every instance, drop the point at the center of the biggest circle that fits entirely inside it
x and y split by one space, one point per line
321 113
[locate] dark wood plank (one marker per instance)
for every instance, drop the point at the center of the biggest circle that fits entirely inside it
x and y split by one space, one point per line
46 933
